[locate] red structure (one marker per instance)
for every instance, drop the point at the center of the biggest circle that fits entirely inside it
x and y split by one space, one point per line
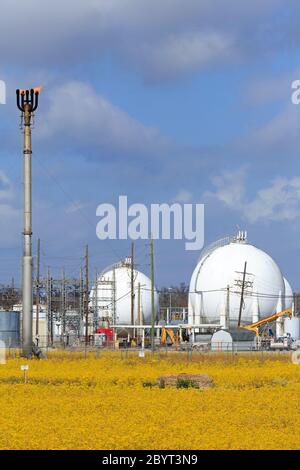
108 332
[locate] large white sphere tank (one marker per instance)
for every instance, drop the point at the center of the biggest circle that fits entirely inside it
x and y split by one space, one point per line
113 298
216 283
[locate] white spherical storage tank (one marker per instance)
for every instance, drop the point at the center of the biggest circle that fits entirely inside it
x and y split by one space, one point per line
112 298
216 285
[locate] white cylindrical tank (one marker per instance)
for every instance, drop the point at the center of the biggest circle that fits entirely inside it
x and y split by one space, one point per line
216 284
112 298
292 326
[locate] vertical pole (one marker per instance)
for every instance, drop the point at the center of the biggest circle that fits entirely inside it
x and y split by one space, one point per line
37 319
132 285
143 338
294 306
49 302
12 293
96 301
27 234
63 306
27 103
114 308
169 312
86 295
139 310
114 298
81 302
48 310
152 293
227 313
242 293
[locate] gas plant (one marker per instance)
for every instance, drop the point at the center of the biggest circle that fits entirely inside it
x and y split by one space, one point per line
238 299
238 296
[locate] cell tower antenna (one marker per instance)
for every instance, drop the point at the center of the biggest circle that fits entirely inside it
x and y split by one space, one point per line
27 103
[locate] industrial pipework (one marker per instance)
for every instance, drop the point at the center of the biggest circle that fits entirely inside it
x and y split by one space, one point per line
27 102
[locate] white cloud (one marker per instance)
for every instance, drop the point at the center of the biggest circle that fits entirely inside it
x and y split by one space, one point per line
159 38
184 52
75 207
10 216
5 187
84 119
230 188
279 201
263 90
280 134
183 196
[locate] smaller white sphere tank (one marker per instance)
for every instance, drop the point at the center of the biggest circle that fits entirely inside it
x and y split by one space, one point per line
291 325
216 284
112 298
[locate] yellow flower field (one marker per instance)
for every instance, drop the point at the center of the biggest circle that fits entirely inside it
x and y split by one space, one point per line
111 402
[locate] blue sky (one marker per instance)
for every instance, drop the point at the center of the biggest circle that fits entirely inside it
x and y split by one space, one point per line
166 100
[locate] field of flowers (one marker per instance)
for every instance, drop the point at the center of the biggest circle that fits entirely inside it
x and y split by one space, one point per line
75 402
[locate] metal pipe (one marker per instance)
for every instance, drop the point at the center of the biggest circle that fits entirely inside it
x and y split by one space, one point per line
174 327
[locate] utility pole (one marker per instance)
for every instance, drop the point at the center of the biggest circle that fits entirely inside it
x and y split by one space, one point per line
132 283
295 312
49 305
27 103
81 289
37 318
139 304
114 301
169 316
95 322
227 310
139 310
86 295
81 301
63 302
242 293
152 293
11 295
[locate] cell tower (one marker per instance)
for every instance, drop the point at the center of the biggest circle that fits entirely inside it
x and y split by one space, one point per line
27 102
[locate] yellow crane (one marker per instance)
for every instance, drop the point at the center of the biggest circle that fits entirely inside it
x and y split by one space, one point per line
166 332
255 326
